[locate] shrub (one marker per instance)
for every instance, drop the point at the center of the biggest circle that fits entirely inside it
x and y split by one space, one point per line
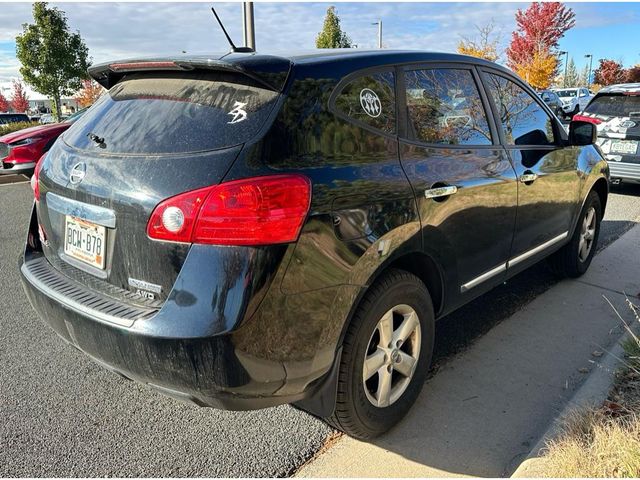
14 127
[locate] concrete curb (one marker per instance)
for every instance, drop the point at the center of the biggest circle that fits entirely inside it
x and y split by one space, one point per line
593 392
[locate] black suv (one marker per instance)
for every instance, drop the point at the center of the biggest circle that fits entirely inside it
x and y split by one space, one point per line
615 110
252 230
7 118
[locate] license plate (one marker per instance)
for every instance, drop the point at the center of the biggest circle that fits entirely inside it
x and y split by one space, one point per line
85 241
628 147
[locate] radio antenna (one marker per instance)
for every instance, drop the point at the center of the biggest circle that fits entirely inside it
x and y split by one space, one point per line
224 30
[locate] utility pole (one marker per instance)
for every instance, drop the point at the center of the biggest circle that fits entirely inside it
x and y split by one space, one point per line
379 24
590 57
566 62
248 30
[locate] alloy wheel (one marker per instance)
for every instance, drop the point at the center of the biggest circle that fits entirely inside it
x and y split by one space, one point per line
392 355
587 234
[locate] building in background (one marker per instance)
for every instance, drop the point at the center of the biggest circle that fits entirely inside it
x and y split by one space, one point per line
38 103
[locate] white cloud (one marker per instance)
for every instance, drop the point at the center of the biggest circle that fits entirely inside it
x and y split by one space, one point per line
122 30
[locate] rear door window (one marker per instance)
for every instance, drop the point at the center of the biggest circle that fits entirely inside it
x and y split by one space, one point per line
370 99
615 105
173 113
523 120
444 106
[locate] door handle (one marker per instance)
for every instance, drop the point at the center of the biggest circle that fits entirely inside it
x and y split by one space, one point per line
439 192
528 177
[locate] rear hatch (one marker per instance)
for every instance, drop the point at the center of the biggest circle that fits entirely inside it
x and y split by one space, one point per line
617 116
153 135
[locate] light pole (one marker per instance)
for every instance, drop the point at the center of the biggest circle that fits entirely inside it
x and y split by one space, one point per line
590 57
379 23
566 61
248 29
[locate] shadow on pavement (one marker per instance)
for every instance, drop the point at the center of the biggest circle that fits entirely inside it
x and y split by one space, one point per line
480 413
7 179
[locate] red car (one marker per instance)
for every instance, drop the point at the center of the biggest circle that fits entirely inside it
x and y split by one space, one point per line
21 150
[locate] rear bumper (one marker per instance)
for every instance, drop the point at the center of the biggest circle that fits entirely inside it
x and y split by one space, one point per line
205 370
625 171
16 168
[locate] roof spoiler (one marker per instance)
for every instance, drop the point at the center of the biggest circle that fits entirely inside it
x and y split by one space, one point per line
270 71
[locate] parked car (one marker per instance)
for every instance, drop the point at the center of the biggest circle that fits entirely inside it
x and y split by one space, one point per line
47 118
615 110
303 253
573 100
551 98
20 151
6 118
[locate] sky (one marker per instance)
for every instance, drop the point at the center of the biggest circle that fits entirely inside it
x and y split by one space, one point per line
123 30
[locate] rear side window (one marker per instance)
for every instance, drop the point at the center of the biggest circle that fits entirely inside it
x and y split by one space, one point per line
524 122
615 105
444 106
174 113
370 99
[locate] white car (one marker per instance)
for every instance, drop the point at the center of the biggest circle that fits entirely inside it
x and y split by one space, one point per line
573 100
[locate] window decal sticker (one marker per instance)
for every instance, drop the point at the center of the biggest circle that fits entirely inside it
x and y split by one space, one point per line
370 102
238 113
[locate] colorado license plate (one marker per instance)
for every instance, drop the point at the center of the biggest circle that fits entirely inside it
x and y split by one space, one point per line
629 147
85 241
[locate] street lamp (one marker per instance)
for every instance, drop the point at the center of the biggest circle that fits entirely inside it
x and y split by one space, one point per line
379 23
590 57
566 61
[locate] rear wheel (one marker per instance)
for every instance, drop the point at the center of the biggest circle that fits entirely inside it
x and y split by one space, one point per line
574 259
385 357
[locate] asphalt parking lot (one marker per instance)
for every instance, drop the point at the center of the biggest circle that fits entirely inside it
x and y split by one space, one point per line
62 415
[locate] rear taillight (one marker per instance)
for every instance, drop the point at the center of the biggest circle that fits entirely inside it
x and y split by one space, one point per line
253 211
583 118
35 178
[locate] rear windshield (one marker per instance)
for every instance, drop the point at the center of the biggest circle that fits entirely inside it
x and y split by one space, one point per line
615 105
173 113
567 93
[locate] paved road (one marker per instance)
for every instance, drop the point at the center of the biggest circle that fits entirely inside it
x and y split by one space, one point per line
64 416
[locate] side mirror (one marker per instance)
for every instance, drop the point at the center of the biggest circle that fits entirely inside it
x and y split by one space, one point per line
582 133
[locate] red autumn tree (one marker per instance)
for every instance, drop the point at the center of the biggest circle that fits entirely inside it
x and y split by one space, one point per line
633 75
609 72
19 98
89 93
4 103
538 30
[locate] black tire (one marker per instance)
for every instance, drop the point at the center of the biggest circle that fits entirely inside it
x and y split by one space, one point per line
567 262
355 414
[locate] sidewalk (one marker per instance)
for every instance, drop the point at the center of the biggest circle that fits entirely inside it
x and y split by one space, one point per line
484 411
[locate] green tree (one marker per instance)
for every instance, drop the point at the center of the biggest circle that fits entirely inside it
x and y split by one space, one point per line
572 79
54 59
583 80
332 35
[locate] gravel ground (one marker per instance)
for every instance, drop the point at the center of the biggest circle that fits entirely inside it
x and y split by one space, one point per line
65 416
